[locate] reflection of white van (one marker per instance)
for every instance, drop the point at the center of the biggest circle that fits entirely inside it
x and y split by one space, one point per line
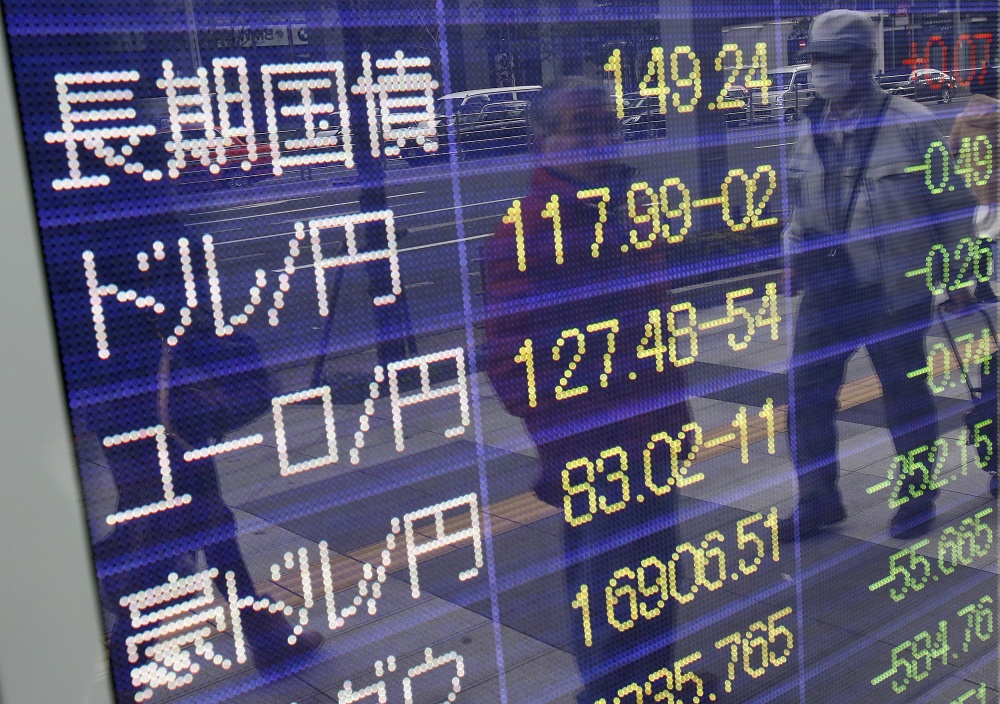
791 90
473 101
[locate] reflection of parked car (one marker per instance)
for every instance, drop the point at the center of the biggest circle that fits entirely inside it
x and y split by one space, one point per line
790 91
481 121
930 84
472 102
896 85
496 127
643 118
482 128
738 114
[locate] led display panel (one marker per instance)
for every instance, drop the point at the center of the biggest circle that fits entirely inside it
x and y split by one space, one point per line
596 351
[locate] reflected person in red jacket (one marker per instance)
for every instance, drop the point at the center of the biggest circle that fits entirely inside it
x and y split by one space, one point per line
577 346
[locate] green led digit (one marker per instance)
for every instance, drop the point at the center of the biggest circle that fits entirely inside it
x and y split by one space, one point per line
936 147
982 156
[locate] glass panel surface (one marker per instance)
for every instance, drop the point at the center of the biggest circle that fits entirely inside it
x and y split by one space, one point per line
533 352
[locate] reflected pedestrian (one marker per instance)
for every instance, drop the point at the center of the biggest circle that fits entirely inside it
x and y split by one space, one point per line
861 219
572 281
154 403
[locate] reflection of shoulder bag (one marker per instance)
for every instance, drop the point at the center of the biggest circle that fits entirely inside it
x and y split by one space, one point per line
987 220
812 264
208 387
981 421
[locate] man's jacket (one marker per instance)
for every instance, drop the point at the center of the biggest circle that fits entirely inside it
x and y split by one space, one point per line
901 209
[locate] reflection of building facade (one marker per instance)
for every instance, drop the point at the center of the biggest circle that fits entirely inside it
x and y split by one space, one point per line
577 41
494 44
953 42
506 50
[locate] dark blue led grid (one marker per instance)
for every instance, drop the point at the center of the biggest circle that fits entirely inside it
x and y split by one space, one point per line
511 622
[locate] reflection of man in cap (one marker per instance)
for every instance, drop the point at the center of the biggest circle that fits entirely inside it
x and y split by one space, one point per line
860 221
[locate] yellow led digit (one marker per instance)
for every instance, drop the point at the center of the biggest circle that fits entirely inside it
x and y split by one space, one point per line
612 327
562 392
651 344
740 423
674 447
749 643
680 471
773 633
651 215
675 592
584 487
614 67
603 196
693 79
633 688
613 595
721 102
683 210
743 537
513 217
727 203
733 640
551 211
704 559
659 587
767 413
758 65
690 331
681 678
666 694
767 315
526 356
620 475
654 83
582 602
753 187
732 311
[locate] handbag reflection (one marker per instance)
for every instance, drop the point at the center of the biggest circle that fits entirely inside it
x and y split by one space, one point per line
988 222
981 421
210 387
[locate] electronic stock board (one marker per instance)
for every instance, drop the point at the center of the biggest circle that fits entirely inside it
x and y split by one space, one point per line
442 352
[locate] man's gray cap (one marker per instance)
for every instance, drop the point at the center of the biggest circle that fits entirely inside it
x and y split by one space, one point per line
841 33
